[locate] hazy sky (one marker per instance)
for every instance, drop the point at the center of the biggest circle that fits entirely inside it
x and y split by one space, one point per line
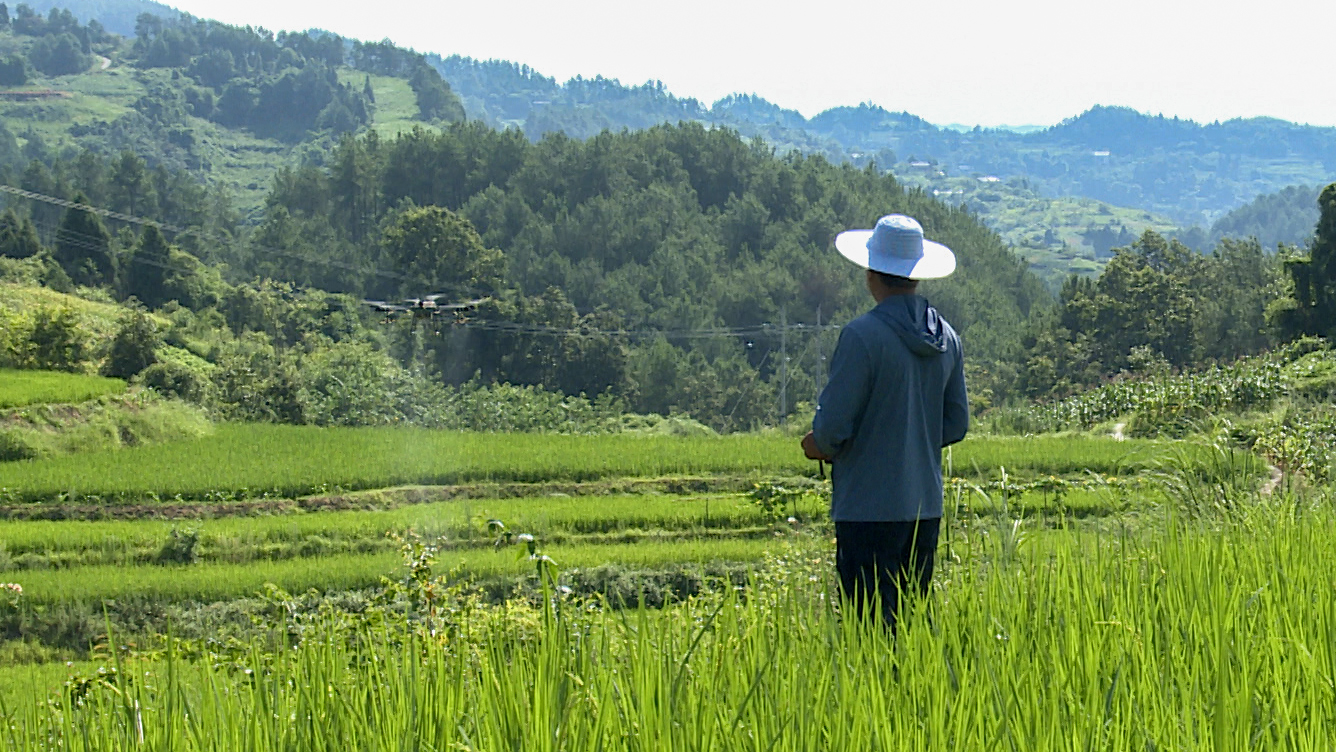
986 62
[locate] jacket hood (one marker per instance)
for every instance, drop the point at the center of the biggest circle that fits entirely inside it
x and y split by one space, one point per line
918 323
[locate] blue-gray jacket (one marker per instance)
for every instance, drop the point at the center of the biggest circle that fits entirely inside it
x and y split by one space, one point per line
896 396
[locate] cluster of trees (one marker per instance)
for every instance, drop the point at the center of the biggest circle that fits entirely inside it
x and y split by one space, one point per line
72 247
283 85
1159 305
1156 305
125 183
275 86
673 228
85 253
60 46
1309 304
1284 217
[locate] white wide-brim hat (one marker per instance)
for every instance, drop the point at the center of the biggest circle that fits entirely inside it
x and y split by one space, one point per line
896 246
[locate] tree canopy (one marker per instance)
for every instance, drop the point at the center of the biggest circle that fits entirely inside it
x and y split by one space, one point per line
1312 309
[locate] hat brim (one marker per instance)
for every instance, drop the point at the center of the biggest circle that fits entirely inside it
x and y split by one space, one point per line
937 261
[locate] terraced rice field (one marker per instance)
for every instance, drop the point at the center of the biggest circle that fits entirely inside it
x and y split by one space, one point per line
246 461
22 388
1053 600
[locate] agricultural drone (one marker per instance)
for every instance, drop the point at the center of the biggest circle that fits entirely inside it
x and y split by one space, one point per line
426 308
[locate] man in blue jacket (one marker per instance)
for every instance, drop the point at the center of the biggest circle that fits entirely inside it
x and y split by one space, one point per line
895 398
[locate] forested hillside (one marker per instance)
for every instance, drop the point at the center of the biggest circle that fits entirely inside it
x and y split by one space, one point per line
1287 216
116 16
675 270
227 104
1190 172
1062 196
671 269
669 229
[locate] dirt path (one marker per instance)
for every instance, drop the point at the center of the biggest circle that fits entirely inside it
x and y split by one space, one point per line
104 62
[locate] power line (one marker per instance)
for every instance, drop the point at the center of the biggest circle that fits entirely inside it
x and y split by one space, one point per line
541 329
89 242
90 209
196 232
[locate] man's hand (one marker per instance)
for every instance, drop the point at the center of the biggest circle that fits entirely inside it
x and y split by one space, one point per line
809 449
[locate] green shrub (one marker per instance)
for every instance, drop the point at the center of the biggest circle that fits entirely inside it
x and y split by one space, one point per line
506 408
15 445
57 342
179 548
99 425
175 380
132 347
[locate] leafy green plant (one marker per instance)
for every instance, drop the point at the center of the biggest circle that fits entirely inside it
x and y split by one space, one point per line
179 548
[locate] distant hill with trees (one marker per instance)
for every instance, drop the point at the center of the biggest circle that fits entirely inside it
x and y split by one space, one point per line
226 104
620 243
1064 195
1190 172
1287 216
116 16
667 229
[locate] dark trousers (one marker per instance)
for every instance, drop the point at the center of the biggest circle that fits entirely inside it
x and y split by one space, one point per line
884 560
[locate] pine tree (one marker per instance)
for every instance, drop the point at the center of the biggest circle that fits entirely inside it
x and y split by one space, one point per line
18 236
146 273
83 247
1312 310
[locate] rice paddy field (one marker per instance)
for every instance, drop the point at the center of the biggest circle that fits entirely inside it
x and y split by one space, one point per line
23 388
245 461
401 589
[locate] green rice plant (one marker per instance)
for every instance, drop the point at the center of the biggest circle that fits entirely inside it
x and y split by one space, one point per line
204 582
461 523
246 461
457 522
21 388
222 581
1209 479
1188 637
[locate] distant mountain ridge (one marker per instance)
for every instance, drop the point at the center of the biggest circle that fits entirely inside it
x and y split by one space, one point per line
1189 172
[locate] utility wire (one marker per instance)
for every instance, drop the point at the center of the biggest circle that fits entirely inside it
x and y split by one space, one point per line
92 243
91 209
196 232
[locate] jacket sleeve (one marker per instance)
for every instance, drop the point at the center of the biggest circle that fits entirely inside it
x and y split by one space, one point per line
842 402
956 405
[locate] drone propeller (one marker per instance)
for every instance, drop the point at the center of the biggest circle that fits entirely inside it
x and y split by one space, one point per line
383 307
423 308
464 306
